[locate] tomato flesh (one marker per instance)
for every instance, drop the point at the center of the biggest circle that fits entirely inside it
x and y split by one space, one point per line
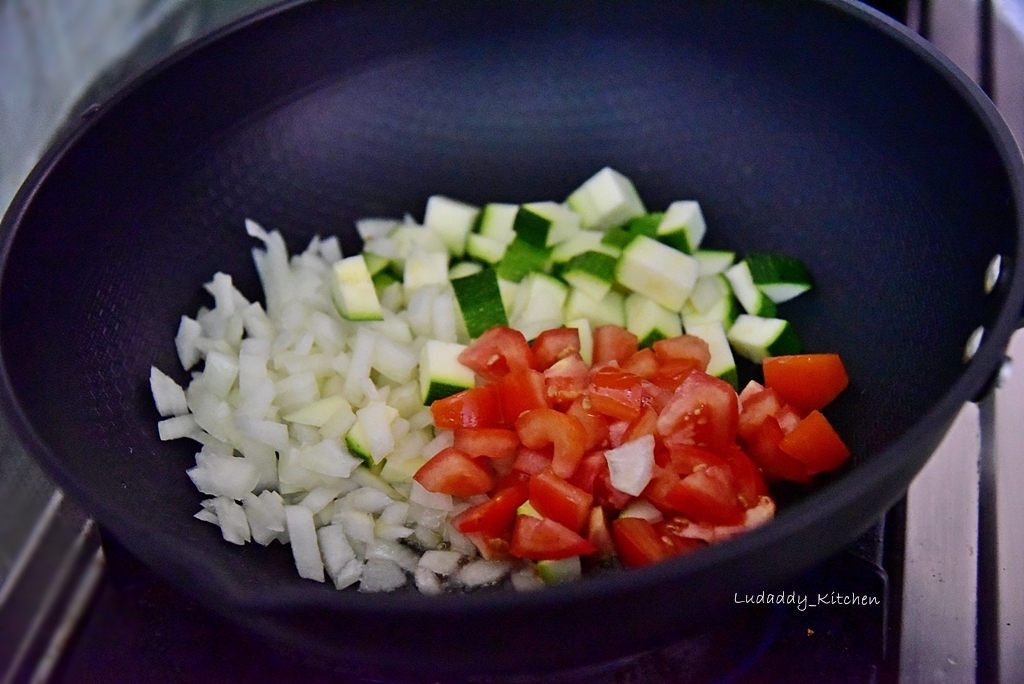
616 393
478 407
554 345
703 411
544 539
566 379
809 382
816 444
541 427
637 542
612 343
495 516
453 472
498 352
489 442
519 391
555 498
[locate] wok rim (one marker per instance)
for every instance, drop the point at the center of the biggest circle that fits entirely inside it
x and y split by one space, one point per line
877 469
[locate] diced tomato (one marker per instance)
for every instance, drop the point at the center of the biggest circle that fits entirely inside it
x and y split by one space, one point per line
637 542
663 479
489 442
592 475
544 539
683 348
588 470
606 494
807 381
641 426
493 548
495 516
672 533
497 352
555 498
687 458
755 407
538 428
707 495
644 363
521 390
566 380
478 407
752 388
816 444
554 345
617 432
450 471
613 343
656 397
763 449
595 424
513 478
598 532
531 461
616 393
747 478
704 411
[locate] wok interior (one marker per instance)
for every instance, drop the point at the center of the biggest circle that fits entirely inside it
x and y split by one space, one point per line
800 129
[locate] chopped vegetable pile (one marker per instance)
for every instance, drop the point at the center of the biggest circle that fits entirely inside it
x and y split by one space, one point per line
509 393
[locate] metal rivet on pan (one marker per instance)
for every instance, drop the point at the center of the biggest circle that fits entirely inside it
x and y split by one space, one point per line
973 342
993 272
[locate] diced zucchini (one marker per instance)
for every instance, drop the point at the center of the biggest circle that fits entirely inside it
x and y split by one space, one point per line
401 471
683 226
754 301
539 304
508 294
484 248
608 311
650 321
725 312
375 263
319 412
453 221
479 300
617 238
496 222
562 570
757 337
779 277
521 258
713 261
527 509
722 364
586 338
354 294
423 269
382 281
441 374
544 224
591 272
645 225
606 199
708 291
658 271
370 437
583 241
463 269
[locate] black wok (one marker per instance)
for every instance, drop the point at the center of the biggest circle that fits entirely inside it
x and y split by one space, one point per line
818 129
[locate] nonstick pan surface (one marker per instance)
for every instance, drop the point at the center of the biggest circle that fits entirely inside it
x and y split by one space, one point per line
817 129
